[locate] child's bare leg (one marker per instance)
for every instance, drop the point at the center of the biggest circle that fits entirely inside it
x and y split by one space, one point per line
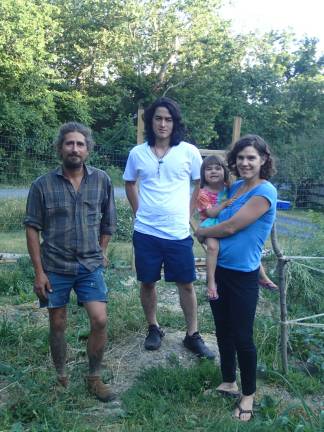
211 261
265 281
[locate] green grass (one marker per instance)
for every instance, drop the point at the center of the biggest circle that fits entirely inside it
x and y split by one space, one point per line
170 398
181 399
13 242
163 399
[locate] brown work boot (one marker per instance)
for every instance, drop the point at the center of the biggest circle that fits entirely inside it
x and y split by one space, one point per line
97 388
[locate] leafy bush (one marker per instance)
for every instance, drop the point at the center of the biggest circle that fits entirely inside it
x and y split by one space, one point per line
116 175
124 221
305 288
308 345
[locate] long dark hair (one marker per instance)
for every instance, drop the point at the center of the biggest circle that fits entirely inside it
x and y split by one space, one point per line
178 127
267 170
213 160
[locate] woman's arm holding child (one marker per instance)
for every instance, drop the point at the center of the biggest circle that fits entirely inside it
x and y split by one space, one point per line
249 213
215 210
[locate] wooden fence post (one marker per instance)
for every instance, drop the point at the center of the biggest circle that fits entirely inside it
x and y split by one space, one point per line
282 270
236 129
140 125
139 140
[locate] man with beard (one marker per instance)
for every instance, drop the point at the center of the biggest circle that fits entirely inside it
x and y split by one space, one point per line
73 208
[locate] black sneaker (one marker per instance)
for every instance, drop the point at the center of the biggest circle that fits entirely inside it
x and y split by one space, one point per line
153 338
196 344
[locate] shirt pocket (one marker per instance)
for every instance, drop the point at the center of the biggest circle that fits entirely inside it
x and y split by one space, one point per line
91 212
58 216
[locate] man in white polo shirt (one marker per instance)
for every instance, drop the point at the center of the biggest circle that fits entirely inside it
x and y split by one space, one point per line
157 178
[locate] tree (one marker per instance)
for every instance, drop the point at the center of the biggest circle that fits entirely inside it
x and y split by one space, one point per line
26 108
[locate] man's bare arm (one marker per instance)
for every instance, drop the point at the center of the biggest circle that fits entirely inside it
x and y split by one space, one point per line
132 194
103 242
194 196
41 283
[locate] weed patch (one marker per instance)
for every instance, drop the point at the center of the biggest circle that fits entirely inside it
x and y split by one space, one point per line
16 281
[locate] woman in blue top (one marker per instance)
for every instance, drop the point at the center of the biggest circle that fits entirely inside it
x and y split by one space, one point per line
244 227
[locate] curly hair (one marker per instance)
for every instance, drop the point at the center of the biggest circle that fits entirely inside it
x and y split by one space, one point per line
267 169
74 127
213 160
178 127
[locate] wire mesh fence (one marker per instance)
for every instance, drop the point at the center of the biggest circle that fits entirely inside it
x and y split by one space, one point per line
299 180
300 177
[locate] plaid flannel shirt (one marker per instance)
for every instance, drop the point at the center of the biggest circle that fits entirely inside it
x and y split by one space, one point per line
71 222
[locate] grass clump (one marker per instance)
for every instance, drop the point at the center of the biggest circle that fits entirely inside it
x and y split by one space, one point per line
16 281
12 213
184 399
124 221
171 398
163 399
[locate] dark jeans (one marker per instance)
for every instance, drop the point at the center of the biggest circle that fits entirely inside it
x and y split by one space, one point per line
234 313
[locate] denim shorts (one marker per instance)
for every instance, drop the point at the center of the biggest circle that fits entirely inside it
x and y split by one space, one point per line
88 286
175 255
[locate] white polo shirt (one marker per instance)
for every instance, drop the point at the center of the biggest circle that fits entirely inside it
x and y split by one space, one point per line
164 188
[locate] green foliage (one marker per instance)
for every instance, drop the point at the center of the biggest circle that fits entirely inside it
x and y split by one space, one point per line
116 141
95 62
116 175
305 288
17 280
72 105
307 344
26 105
124 221
12 212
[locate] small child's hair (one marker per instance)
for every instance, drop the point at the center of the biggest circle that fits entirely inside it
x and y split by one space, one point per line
213 160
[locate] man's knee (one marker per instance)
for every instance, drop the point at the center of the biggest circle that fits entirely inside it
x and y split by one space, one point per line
147 286
98 322
186 288
58 320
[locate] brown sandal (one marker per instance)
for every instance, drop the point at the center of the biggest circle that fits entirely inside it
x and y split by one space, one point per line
230 394
243 411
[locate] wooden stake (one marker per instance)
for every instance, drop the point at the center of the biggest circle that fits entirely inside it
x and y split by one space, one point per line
140 140
236 129
282 269
140 125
